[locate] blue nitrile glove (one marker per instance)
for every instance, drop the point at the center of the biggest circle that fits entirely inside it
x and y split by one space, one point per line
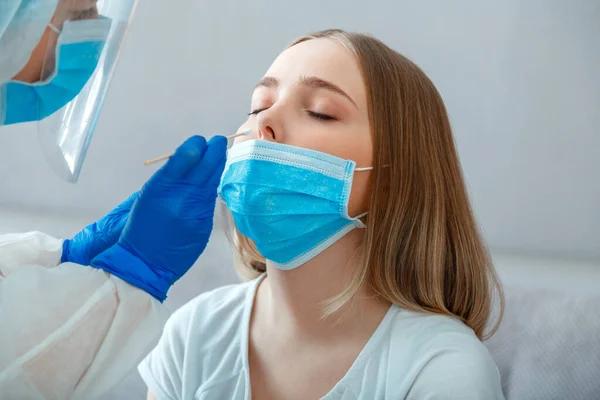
171 221
97 237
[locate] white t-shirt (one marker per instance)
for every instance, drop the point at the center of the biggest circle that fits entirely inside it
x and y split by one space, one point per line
203 354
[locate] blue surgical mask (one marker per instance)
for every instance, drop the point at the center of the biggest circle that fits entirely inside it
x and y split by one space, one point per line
22 24
78 51
291 201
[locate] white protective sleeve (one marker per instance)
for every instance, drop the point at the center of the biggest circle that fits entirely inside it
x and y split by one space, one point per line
67 331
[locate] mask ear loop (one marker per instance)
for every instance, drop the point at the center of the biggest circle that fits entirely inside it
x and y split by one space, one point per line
359 170
53 28
358 217
369 168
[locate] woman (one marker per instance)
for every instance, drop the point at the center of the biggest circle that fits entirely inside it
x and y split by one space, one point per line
390 304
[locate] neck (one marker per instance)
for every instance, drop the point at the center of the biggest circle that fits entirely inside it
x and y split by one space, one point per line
296 299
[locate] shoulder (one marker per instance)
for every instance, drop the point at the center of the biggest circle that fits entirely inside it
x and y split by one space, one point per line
221 308
201 343
427 331
447 359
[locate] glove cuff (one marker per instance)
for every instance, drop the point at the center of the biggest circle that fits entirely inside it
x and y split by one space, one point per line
123 263
76 250
65 251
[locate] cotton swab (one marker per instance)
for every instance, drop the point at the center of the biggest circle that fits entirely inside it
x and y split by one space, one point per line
167 156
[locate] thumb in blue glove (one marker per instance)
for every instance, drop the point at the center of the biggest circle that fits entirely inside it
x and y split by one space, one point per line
97 237
172 219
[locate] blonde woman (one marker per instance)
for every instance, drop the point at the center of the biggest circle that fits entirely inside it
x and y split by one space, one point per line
370 278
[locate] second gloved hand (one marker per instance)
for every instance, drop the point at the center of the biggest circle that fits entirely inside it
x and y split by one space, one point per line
171 221
97 237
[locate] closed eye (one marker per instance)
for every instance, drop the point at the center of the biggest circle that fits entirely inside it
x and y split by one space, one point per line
255 112
313 114
321 117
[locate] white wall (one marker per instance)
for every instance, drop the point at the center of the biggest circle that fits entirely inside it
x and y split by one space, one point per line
520 79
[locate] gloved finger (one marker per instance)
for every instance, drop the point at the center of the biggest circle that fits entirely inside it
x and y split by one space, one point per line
215 179
216 152
186 157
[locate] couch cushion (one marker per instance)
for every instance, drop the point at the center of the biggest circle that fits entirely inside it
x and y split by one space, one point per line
548 344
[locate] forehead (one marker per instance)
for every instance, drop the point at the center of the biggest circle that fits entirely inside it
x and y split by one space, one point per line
325 59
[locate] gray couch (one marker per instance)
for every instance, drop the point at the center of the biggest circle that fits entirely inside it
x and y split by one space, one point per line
548 345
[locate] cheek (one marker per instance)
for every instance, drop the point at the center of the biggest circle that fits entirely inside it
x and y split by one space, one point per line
360 194
360 150
250 136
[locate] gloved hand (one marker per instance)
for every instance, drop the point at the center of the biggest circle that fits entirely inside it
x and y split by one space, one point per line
97 237
172 219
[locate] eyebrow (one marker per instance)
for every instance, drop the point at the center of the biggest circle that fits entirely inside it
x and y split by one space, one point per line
308 81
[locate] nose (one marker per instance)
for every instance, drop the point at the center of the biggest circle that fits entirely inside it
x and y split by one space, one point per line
269 125
266 133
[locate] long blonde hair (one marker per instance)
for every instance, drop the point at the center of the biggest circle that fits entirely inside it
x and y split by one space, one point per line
422 248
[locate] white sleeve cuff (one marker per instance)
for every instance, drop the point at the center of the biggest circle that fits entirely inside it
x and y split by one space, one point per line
32 248
152 384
